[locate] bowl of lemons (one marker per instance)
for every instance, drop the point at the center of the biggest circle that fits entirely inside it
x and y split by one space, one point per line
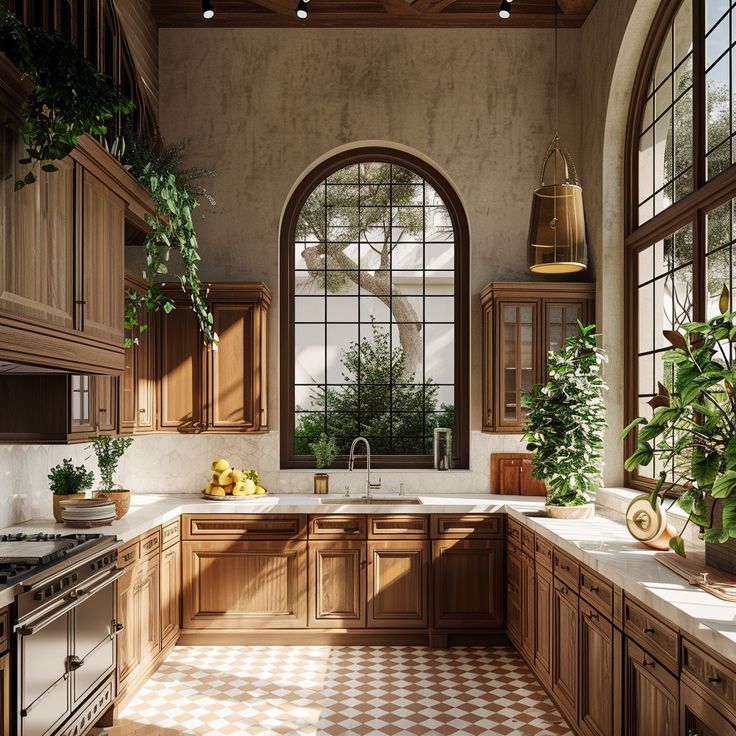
230 484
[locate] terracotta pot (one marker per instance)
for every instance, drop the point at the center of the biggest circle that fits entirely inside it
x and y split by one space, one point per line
584 511
321 483
121 498
58 498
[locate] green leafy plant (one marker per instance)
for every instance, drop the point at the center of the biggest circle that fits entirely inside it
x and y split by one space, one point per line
692 430
109 450
567 419
176 194
324 451
67 478
69 96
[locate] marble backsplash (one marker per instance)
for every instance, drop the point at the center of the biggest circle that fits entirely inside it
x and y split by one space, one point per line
173 463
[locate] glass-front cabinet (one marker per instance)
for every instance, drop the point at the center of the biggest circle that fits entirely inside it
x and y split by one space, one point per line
522 322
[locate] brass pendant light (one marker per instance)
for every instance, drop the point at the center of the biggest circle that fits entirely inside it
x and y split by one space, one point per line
557 241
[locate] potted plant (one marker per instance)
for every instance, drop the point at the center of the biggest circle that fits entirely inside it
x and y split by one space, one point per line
69 481
324 451
109 450
565 425
693 432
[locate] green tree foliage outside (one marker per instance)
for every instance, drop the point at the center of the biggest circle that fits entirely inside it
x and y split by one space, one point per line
378 400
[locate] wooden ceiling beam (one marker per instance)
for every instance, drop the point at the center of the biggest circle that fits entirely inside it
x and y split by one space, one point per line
575 7
276 6
398 7
431 6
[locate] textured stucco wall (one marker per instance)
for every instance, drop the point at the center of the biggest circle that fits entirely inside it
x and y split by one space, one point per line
261 106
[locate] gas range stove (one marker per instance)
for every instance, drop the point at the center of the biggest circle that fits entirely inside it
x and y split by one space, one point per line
23 555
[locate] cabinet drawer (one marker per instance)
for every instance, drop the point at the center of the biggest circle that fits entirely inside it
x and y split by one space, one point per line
129 554
652 633
335 526
543 552
527 540
151 544
597 591
245 526
565 568
459 526
170 533
717 679
4 623
401 527
639 658
513 530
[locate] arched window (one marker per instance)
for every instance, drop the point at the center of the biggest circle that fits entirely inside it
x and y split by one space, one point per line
681 185
374 310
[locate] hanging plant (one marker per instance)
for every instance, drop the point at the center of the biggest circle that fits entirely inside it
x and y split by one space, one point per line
69 97
175 192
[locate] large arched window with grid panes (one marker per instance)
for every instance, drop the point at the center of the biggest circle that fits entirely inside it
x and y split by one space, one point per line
374 320
681 190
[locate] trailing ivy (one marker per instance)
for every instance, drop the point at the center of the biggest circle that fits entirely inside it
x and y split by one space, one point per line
176 194
69 97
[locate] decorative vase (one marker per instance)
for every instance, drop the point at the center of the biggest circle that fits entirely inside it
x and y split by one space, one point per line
58 498
121 499
720 556
321 483
583 511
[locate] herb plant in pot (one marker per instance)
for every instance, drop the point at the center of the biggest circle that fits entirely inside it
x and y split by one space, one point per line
692 432
565 426
109 450
69 481
325 452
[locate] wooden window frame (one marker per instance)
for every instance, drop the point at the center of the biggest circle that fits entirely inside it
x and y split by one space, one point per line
461 430
692 208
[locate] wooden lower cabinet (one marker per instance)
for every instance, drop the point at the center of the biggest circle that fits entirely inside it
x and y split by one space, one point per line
513 594
698 717
6 702
337 584
170 594
528 608
543 625
565 649
650 695
244 585
596 689
468 583
397 584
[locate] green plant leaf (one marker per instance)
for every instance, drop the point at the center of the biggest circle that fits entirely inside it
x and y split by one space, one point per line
725 485
635 423
729 514
704 467
716 536
677 544
676 339
724 302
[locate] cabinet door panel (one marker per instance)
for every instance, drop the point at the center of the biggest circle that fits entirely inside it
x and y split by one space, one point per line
528 610
36 238
235 384
103 240
698 717
128 654
488 380
543 625
181 361
105 403
596 672
231 585
650 695
468 583
337 584
145 374
397 584
6 703
560 322
565 648
513 594
150 610
170 594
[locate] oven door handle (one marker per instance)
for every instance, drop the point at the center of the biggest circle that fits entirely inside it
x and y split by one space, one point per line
41 622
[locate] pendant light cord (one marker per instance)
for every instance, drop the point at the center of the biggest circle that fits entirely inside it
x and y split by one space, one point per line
557 137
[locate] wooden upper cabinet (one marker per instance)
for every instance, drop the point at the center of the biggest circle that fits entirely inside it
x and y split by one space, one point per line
223 389
181 358
521 323
103 241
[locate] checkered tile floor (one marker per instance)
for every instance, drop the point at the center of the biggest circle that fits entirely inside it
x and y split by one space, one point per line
342 691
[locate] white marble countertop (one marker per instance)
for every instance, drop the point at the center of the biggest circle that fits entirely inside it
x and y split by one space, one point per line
603 543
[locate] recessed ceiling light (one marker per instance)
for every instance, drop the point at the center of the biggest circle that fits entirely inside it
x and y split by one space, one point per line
208 12
302 9
504 11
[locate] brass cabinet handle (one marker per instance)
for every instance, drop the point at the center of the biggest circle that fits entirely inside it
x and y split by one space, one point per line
646 663
648 630
714 679
593 588
593 615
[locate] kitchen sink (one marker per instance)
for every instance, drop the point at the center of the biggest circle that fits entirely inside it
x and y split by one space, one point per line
376 500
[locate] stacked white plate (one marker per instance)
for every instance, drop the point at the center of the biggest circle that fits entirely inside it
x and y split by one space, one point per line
88 512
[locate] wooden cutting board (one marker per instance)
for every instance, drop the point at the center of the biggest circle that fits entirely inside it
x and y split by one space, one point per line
693 568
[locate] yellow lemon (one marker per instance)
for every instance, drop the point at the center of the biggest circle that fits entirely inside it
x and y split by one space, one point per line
226 477
206 490
217 491
219 464
260 490
239 489
250 487
237 475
